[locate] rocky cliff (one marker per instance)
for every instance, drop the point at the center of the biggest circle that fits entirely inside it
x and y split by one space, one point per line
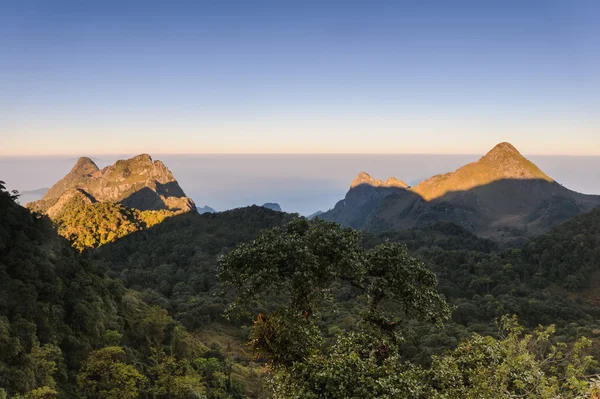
139 183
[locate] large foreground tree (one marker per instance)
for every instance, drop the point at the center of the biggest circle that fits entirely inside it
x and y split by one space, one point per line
293 272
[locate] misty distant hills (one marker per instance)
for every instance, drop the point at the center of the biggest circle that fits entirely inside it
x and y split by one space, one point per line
272 206
139 183
502 196
205 209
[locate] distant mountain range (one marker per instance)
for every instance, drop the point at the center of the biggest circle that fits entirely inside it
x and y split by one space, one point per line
205 209
272 206
502 196
139 183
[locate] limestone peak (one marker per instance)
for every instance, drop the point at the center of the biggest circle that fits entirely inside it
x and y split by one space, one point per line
365 178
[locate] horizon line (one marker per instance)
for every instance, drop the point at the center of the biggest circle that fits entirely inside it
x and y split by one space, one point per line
79 155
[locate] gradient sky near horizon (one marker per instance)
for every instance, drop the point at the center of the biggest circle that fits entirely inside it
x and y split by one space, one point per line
101 77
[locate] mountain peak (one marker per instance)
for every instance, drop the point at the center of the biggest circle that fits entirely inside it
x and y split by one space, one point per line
84 160
365 178
145 158
138 182
83 169
503 162
84 166
394 182
502 151
362 178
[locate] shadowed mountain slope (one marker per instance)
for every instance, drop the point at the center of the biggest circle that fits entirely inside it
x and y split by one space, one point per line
502 196
139 183
54 305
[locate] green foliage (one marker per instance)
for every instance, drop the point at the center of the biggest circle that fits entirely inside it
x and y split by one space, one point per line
518 365
568 254
174 263
484 283
175 379
104 375
54 306
442 235
339 314
357 365
298 264
12 195
303 259
59 312
92 225
44 392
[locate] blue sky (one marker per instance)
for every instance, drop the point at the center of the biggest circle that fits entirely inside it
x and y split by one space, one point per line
299 77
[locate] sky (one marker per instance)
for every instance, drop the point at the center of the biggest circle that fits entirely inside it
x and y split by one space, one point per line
203 77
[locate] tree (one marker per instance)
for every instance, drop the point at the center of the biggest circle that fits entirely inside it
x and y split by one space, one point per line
175 379
44 392
295 267
12 195
291 271
105 376
517 365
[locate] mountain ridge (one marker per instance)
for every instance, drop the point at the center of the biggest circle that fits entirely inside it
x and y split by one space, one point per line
138 182
365 178
502 195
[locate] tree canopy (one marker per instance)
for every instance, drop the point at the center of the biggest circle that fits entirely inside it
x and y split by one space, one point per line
291 271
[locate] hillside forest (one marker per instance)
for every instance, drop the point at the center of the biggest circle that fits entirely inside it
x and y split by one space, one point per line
108 301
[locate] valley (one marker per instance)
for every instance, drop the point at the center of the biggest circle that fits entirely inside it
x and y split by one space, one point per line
159 271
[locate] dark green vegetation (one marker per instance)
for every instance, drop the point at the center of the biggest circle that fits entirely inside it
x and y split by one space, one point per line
569 255
55 307
143 305
69 330
273 206
173 264
299 269
483 283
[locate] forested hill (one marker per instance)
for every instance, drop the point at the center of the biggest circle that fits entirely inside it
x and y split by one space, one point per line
141 306
174 263
67 330
549 281
54 306
570 253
